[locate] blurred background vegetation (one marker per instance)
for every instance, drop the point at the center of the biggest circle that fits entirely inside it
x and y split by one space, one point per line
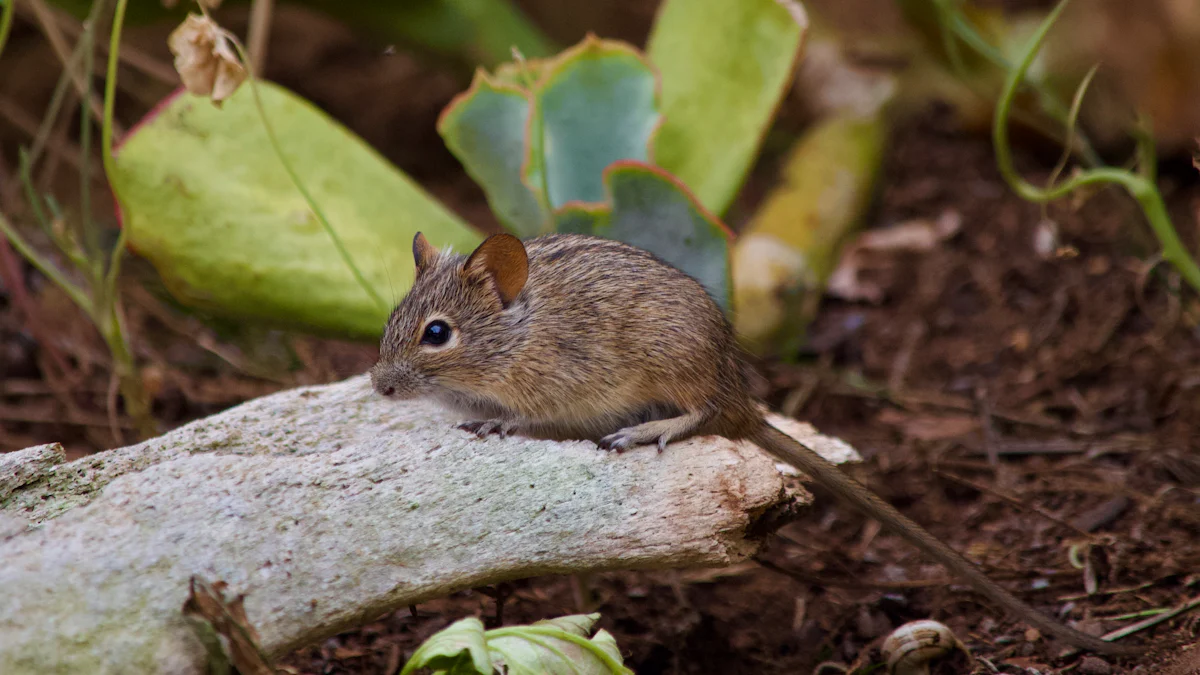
916 274
388 70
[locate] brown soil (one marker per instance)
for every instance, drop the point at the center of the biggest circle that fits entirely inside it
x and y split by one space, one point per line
1017 405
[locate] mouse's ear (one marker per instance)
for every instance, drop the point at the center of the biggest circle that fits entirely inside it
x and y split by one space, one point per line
423 252
502 258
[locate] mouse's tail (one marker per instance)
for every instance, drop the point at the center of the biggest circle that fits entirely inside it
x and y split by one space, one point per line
829 476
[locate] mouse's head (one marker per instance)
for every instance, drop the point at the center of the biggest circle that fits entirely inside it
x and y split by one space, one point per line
456 323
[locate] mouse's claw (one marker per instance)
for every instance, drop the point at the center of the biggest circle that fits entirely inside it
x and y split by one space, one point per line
482 428
619 441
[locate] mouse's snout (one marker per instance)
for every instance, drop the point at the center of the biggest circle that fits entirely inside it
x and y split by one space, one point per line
393 381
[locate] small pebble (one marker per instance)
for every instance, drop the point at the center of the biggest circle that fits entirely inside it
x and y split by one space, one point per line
1094 665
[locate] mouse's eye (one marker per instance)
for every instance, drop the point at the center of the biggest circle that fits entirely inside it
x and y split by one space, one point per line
437 332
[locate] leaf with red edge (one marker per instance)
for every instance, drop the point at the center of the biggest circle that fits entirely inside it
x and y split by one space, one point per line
651 209
562 119
486 128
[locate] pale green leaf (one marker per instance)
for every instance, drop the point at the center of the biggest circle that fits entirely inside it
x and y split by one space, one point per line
725 65
208 203
460 649
557 647
579 624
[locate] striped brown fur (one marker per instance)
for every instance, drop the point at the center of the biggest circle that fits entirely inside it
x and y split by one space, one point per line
604 341
602 336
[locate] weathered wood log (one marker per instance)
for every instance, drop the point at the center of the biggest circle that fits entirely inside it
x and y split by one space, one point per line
328 506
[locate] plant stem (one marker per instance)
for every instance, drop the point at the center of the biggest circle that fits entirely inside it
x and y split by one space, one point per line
953 23
312 203
108 317
137 404
110 88
106 144
87 233
42 265
54 35
1173 251
258 33
1140 186
6 16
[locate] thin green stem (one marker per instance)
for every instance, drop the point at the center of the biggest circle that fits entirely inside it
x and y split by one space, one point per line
50 117
25 167
109 318
65 244
42 265
87 233
951 17
110 88
6 16
291 172
106 142
114 263
1141 187
1173 250
1073 123
137 405
953 55
1004 109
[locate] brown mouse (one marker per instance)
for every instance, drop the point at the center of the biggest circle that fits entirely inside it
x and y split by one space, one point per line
572 336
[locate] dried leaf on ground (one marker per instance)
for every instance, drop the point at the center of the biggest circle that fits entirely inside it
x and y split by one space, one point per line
228 619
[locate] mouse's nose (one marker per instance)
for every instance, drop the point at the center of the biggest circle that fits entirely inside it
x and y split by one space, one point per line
383 380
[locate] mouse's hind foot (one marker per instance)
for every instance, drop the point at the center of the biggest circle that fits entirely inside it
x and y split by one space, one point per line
659 432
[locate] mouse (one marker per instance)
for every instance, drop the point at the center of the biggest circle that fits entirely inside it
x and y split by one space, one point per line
573 336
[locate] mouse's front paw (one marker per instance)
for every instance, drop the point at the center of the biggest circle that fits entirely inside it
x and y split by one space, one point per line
619 441
482 428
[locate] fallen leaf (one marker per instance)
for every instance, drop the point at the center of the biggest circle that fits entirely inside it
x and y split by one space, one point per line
917 235
207 602
929 427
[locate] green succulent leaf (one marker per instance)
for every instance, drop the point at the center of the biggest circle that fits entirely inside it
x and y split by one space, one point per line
651 209
598 104
208 203
486 129
725 66
561 121
584 122
555 647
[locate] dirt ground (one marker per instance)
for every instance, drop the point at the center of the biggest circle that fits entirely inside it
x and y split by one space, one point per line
1024 407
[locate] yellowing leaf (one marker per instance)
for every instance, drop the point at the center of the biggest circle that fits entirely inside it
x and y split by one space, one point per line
791 245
